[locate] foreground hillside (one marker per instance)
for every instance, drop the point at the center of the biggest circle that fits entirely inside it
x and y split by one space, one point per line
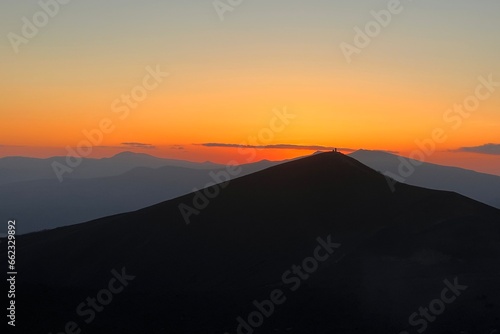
369 260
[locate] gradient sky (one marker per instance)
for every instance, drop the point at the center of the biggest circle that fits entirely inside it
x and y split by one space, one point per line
227 77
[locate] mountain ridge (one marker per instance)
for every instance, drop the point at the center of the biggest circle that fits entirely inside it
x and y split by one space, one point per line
478 186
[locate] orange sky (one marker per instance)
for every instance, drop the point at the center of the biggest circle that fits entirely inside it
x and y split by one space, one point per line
226 78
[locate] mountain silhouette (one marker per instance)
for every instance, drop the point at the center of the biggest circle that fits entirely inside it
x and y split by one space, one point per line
18 169
479 186
387 254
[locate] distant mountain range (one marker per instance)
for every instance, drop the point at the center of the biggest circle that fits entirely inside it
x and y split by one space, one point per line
47 203
16 169
479 186
370 260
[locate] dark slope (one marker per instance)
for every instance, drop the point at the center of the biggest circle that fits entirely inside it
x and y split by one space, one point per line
396 251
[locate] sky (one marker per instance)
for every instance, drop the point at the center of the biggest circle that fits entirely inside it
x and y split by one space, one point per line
194 79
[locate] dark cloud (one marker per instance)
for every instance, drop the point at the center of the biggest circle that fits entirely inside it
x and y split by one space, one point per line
177 147
104 146
138 145
127 145
281 147
493 149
